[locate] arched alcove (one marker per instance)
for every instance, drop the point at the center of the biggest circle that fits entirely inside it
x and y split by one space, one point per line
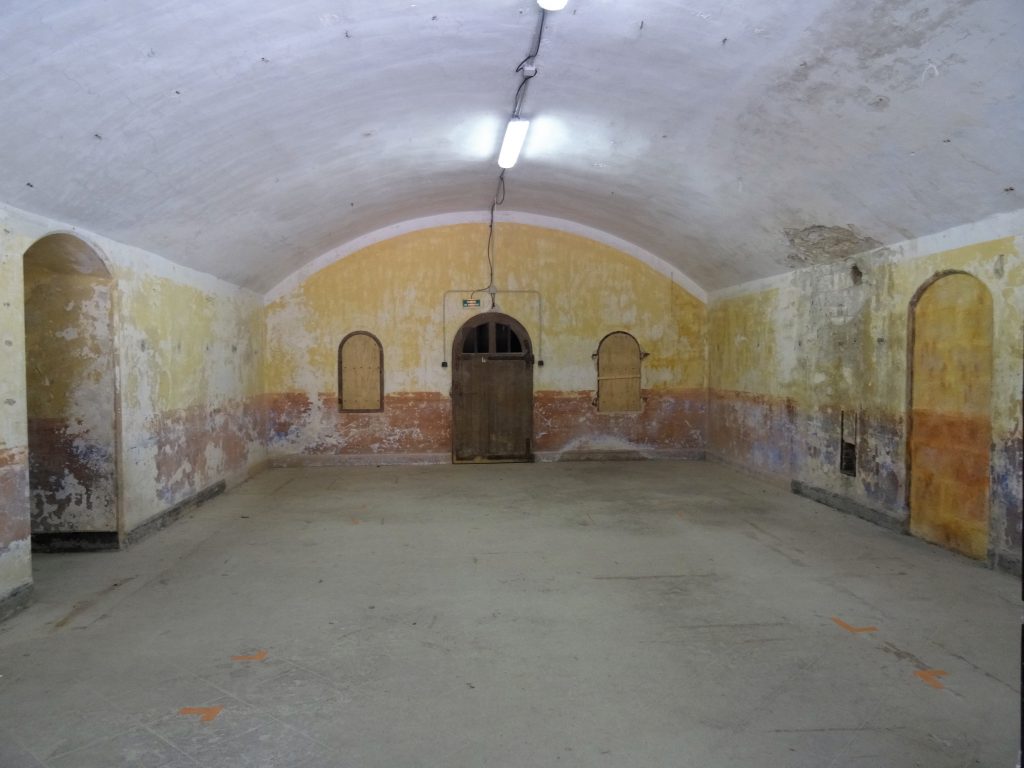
69 333
950 422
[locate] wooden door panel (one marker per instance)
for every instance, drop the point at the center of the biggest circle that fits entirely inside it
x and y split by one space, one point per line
492 394
618 374
360 373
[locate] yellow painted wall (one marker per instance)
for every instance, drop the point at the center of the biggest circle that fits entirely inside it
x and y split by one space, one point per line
951 414
62 344
189 367
394 289
742 350
71 395
191 354
789 354
816 336
192 345
15 549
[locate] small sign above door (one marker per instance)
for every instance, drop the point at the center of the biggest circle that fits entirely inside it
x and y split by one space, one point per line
467 303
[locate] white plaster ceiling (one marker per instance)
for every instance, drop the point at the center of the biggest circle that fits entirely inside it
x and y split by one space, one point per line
246 138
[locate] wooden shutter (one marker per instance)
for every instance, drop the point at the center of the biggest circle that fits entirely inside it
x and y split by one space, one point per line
618 374
360 376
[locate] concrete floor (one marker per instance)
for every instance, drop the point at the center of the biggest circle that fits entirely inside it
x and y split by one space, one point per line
613 614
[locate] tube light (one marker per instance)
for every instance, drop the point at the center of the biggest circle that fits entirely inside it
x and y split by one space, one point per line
512 144
552 5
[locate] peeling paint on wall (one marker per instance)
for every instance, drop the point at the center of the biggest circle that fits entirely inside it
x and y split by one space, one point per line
71 392
395 289
819 244
789 354
191 352
951 411
13 487
189 366
670 422
15 549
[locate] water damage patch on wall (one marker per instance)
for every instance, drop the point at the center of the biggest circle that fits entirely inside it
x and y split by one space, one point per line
14 525
951 412
797 359
15 550
198 445
71 388
410 423
193 410
670 422
574 291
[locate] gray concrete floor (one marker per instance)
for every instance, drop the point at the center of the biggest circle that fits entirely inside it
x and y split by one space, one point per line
614 614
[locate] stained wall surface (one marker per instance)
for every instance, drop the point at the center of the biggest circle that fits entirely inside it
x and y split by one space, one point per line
792 357
950 424
71 394
396 290
191 356
15 546
188 367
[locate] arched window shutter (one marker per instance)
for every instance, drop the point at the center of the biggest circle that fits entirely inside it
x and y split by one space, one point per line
360 373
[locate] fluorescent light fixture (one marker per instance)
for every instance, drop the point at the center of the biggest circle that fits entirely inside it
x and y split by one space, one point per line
552 5
515 135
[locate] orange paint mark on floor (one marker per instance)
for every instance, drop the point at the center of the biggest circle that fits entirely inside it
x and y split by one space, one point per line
206 714
931 676
258 656
850 628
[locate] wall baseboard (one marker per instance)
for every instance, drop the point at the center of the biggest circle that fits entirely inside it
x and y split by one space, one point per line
357 459
1009 562
398 459
621 454
17 600
75 541
764 476
849 506
168 516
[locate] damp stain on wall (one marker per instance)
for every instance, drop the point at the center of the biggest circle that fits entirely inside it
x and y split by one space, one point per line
194 413
574 292
792 356
71 398
15 549
951 411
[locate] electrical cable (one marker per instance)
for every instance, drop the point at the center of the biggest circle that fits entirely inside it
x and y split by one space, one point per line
498 199
536 43
517 106
499 192
517 103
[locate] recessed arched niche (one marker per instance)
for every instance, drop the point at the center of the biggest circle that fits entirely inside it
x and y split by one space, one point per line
70 346
950 417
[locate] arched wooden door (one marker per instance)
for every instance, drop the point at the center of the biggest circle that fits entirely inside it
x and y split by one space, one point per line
950 413
492 391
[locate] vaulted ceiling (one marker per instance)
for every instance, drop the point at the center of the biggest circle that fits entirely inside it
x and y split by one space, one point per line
732 138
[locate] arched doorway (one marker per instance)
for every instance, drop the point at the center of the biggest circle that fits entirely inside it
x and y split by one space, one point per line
492 391
950 423
71 396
